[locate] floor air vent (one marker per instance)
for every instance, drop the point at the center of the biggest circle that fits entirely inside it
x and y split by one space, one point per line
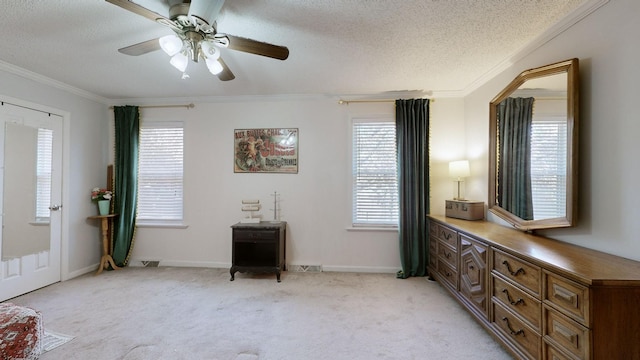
150 263
305 268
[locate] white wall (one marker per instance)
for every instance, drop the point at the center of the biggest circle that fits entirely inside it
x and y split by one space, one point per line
315 202
85 159
605 44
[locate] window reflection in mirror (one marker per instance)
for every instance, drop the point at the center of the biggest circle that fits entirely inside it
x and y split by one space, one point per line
533 148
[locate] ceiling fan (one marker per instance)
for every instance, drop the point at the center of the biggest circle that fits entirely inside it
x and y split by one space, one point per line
196 37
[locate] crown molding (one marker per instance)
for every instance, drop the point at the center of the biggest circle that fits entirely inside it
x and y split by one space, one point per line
16 70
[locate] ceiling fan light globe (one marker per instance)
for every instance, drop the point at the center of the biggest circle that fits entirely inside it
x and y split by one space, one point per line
209 50
214 66
179 61
170 44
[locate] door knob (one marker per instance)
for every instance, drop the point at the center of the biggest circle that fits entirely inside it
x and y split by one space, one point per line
55 207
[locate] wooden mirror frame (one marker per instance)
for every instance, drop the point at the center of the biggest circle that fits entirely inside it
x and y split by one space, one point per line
570 67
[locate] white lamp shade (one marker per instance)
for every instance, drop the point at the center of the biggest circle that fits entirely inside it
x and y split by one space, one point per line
170 44
459 169
179 61
209 51
214 66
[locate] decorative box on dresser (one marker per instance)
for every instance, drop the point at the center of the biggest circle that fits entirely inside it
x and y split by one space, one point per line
541 298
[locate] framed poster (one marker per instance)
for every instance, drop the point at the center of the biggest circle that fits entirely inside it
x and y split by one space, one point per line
266 150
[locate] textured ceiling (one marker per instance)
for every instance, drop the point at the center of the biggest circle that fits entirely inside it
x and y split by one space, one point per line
347 47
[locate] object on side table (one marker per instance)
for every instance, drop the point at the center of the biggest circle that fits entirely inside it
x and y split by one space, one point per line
251 206
464 209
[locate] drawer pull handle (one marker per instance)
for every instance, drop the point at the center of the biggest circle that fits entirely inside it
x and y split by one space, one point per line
514 273
563 294
568 334
514 303
447 236
447 255
513 332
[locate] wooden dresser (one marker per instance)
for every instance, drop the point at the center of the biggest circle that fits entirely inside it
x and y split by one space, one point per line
541 298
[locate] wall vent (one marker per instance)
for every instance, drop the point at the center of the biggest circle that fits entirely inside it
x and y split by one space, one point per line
305 268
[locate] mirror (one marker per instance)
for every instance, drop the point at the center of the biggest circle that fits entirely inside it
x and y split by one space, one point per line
533 148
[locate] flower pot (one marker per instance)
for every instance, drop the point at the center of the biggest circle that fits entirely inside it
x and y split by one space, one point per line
103 207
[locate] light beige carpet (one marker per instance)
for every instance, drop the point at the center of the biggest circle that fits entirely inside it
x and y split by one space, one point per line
197 313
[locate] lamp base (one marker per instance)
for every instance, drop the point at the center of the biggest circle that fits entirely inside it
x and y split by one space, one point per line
458 190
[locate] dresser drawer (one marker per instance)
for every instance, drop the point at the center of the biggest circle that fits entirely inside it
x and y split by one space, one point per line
517 331
448 236
521 272
433 229
555 354
449 255
568 297
567 334
518 301
450 276
433 251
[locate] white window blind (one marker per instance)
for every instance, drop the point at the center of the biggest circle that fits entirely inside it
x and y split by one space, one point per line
43 174
549 166
375 179
160 172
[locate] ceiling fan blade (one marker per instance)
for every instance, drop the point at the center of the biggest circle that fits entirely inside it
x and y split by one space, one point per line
206 9
137 9
225 74
141 48
257 47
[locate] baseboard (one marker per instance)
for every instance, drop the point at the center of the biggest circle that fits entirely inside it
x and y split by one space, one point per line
80 272
178 263
224 265
360 269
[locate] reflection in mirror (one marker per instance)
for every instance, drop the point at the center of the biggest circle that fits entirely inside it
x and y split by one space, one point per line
533 148
26 189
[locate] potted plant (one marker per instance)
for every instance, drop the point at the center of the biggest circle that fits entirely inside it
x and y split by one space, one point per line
103 198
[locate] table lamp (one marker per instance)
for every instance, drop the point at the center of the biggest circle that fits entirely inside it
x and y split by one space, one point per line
459 170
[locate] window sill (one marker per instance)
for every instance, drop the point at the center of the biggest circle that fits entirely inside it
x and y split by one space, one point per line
146 224
370 228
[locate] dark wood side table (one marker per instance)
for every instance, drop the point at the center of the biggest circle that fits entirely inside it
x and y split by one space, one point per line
106 256
259 248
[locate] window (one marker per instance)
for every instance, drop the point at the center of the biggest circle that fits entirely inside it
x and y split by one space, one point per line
160 173
43 174
375 176
549 166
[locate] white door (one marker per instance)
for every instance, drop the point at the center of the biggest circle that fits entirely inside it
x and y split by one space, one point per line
30 199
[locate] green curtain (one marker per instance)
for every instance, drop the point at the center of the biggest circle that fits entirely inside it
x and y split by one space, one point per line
412 137
515 116
127 119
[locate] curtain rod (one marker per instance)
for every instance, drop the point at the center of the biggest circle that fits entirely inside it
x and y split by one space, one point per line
188 106
371 101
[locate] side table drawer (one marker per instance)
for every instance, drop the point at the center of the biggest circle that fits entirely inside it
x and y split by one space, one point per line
253 235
